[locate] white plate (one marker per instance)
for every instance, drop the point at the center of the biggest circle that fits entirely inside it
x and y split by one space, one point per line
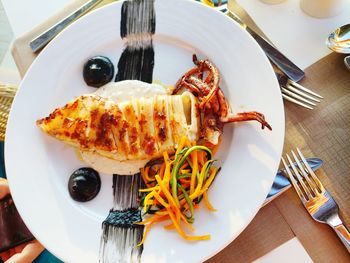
38 166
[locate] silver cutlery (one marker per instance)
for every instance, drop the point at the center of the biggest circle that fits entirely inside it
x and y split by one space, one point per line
297 93
281 182
43 39
281 61
347 62
339 40
315 198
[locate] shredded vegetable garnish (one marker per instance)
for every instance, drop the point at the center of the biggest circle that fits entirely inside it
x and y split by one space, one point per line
175 186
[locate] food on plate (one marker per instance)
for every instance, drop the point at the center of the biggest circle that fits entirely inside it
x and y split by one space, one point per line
84 184
123 125
118 92
203 81
176 184
98 71
137 129
170 134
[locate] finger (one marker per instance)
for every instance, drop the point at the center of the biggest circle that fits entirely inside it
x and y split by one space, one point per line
12 251
19 248
4 188
31 251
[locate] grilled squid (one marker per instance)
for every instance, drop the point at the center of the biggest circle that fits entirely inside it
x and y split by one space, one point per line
132 130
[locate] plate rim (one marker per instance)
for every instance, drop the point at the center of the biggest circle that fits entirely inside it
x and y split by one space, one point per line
52 43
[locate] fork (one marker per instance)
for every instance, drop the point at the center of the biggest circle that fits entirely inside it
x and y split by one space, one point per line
291 90
315 198
297 93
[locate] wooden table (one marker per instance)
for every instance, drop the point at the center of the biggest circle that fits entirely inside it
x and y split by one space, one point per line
323 132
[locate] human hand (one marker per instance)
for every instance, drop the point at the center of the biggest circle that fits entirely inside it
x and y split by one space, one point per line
23 253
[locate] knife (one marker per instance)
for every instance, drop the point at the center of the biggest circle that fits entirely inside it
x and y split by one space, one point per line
43 39
281 183
281 61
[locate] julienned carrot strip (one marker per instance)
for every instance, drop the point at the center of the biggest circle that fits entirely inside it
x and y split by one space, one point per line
180 179
184 181
201 156
190 227
160 199
156 218
149 189
181 145
182 233
169 227
194 170
210 179
149 196
146 175
148 227
151 202
166 157
162 169
200 181
162 212
167 194
207 203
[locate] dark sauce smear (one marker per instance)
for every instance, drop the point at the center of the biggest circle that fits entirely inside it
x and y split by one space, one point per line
136 63
84 184
125 218
120 233
98 71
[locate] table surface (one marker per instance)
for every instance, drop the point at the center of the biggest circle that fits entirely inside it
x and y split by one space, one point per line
325 133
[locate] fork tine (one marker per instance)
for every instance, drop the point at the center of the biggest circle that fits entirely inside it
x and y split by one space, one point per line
296 96
294 182
296 101
301 93
297 85
299 179
312 185
311 172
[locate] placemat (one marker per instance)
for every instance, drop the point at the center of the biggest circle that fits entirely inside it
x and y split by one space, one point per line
323 132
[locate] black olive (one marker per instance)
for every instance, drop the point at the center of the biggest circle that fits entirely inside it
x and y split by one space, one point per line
84 184
98 71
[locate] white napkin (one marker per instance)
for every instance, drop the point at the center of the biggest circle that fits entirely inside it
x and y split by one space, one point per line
300 37
290 252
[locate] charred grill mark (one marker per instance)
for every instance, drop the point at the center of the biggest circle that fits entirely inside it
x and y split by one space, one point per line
94 114
104 130
162 134
134 145
67 123
143 123
72 106
122 137
160 124
79 133
149 145
117 122
133 136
